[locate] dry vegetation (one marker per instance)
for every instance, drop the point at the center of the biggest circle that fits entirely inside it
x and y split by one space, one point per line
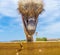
36 48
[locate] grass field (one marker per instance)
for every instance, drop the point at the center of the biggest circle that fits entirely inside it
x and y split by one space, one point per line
34 48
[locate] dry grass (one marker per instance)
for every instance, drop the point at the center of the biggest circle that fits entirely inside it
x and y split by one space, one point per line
34 48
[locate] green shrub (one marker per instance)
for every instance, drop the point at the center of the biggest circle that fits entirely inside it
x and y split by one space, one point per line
41 39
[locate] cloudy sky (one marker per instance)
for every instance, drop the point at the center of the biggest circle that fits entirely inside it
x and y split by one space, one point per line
11 27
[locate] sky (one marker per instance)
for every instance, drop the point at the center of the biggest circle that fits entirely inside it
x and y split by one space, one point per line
11 26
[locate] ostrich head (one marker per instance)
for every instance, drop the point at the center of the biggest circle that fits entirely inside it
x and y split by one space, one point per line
30 9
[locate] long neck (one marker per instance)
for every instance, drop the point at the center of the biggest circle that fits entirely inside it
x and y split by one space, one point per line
29 38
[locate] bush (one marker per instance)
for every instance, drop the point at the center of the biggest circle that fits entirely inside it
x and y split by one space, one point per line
41 39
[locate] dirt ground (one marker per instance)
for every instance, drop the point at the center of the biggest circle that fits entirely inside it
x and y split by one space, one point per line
34 48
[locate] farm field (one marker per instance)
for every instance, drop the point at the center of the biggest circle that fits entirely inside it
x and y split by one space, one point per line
34 48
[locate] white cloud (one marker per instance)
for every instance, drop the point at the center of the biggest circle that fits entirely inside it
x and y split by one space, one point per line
52 11
51 5
50 31
50 16
53 28
19 18
9 8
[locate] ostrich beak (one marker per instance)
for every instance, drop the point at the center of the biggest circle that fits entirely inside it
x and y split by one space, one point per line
30 25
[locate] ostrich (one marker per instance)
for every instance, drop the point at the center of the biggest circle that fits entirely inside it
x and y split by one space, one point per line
30 10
